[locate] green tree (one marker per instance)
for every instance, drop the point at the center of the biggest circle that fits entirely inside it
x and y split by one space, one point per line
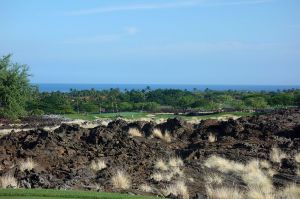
14 88
256 102
56 103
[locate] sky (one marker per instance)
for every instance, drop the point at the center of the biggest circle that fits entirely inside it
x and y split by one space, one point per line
232 42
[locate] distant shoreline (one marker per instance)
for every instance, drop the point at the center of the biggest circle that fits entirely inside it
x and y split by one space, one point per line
45 87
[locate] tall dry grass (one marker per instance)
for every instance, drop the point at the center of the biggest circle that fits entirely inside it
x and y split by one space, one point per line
121 180
27 164
8 181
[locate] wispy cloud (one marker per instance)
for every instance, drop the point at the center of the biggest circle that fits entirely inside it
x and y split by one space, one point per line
103 38
153 6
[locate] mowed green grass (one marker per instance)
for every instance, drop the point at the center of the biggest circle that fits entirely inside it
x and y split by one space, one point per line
140 115
56 194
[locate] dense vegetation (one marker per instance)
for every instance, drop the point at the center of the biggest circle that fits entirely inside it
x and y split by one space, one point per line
114 100
14 88
18 98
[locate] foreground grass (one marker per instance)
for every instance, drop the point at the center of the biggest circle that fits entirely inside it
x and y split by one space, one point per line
140 115
55 194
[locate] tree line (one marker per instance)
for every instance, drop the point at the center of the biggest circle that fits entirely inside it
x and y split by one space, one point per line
19 98
159 100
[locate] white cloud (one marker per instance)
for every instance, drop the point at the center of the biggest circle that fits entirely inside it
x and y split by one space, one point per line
177 4
108 38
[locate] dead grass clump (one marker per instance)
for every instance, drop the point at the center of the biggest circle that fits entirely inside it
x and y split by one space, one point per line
175 162
121 180
260 193
134 132
223 193
212 138
213 179
264 164
98 165
158 134
178 189
157 176
177 171
291 192
254 177
161 165
27 164
145 188
8 181
297 157
223 165
277 155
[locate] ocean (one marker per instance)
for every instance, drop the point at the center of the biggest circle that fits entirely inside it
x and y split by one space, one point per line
66 87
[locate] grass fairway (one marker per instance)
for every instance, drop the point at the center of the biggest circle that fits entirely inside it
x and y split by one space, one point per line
140 115
55 194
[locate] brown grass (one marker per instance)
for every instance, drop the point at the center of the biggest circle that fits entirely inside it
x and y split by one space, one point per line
175 162
291 192
224 165
8 181
297 157
98 165
178 189
212 138
121 180
161 165
145 188
158 134
276 155
223 193
213 179
27 164
134 132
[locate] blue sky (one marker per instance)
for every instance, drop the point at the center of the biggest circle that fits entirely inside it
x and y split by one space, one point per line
154 41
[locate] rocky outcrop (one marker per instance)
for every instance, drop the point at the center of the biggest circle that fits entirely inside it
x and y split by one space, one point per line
64 155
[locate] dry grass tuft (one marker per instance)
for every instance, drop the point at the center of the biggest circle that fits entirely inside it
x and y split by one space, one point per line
134 132
161 165
291 192
254 177
214 179
264 164
256 174
224 165
27 164
297 157
8 181
277 155
260 193
178 189
175 162
121 180
177 171
223 193
158 134
212 138
98 165
157 176
145 188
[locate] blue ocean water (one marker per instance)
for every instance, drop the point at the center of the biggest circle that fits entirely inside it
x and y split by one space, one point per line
66 87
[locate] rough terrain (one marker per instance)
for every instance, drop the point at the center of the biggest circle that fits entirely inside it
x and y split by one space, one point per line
65 154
